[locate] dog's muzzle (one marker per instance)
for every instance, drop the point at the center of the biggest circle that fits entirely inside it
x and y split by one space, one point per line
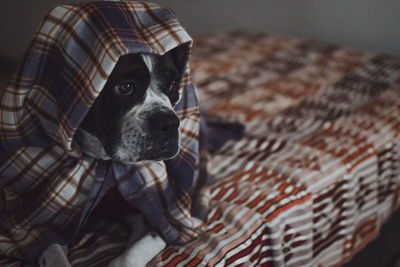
163 141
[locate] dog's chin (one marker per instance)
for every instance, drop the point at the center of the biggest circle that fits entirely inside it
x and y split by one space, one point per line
152 152
157 152
163 155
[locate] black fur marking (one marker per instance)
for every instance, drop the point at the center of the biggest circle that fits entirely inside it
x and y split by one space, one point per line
104 120
168 72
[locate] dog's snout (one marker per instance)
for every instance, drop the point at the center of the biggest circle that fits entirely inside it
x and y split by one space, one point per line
164 122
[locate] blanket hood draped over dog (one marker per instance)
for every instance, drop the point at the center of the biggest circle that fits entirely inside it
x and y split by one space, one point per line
47 187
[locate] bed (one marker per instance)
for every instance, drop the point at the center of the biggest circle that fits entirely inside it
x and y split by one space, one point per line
315 175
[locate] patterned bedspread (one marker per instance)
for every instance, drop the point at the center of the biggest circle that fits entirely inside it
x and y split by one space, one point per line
317 172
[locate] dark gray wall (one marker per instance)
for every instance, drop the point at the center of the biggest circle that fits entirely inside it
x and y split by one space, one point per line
366 24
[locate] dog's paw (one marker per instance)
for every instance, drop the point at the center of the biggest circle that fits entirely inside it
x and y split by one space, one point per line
54 255
141 252
138 226
118 262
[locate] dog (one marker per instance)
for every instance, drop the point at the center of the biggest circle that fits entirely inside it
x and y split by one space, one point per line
131 121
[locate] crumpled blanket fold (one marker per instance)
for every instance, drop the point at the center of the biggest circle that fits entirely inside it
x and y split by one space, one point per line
48 188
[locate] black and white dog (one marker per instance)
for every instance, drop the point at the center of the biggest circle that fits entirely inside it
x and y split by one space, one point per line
131 121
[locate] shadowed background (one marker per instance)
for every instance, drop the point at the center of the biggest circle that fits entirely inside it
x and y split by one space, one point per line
367 24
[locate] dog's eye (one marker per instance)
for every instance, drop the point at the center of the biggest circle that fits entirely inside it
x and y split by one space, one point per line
125 88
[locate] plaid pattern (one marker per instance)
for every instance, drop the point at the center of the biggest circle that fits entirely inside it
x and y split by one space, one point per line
317 172
47 187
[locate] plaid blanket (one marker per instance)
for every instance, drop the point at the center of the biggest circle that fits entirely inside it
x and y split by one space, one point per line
317 172
47 187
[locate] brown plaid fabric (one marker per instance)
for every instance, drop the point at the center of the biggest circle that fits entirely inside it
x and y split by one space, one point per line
317 172
47 187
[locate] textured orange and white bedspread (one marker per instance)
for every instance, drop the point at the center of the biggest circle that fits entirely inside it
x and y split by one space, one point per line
318 170
317 173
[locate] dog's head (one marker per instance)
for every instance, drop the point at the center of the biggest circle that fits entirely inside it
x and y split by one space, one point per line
133 118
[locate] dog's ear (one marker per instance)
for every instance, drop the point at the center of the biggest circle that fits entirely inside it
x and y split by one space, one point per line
168 71
178 57
90 122
170 56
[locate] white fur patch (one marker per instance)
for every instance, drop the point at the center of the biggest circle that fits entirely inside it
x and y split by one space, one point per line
142 246
54 255
140 253
91 145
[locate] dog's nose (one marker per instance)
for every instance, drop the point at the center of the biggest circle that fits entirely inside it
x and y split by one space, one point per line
164 122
